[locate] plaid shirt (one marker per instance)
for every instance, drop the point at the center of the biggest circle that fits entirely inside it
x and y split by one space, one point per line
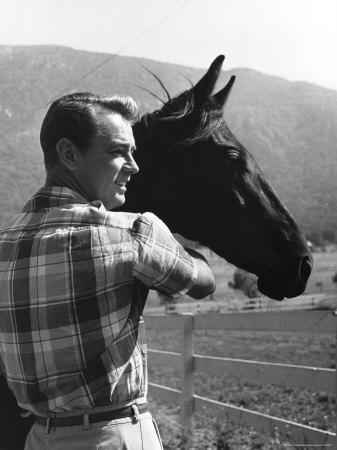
71 275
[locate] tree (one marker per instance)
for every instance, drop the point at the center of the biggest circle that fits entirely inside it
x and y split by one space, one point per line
316 238
319 285
329 235
246 282
334 278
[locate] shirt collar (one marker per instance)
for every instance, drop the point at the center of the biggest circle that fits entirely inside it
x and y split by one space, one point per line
52 196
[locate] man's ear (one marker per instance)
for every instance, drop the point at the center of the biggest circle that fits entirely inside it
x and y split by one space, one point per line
67 153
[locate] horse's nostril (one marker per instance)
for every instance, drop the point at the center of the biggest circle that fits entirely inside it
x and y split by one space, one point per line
305 269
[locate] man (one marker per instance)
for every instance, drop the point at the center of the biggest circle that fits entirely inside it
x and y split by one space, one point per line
73 276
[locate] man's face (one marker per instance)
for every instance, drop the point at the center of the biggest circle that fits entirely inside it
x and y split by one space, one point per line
107 165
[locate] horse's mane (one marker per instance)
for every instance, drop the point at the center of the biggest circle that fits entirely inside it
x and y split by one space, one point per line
182 112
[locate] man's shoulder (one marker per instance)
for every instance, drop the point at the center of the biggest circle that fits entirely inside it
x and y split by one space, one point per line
151 222
85 216
73 215
13 222
93 213
138 223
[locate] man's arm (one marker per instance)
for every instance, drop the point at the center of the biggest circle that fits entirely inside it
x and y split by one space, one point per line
204 285
162 263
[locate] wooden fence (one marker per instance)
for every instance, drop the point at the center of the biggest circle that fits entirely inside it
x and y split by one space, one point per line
313 378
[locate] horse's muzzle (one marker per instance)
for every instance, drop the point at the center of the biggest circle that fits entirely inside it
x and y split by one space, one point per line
300 283
305 268
293 285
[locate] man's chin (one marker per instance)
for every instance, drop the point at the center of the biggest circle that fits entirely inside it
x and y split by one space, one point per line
118 201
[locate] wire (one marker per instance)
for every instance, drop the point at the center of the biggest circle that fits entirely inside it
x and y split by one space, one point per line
101 64
133 41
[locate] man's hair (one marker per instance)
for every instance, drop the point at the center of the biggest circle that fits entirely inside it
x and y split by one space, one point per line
77 117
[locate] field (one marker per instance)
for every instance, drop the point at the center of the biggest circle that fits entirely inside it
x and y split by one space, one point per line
325 266
320 281
316 409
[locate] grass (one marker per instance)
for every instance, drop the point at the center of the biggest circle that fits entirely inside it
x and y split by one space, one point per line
325 266
316 409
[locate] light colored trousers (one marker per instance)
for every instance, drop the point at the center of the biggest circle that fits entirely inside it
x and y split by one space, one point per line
119 434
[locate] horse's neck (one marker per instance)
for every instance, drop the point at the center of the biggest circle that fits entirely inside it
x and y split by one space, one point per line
154 190
141 201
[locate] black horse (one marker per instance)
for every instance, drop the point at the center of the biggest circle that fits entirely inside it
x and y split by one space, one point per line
198 178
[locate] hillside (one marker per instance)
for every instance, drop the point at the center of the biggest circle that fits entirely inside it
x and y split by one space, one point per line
291 128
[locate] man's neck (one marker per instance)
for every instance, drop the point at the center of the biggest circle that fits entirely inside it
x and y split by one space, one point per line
57 176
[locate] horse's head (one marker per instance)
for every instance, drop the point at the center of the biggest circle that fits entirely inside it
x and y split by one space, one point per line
206 186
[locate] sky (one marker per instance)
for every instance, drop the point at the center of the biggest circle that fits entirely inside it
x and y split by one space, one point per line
293 39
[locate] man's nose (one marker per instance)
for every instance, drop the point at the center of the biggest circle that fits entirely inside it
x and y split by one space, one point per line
131 166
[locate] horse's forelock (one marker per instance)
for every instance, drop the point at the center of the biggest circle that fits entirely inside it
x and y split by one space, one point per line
183 111
180 106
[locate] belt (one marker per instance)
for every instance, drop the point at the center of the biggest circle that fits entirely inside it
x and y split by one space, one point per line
128 411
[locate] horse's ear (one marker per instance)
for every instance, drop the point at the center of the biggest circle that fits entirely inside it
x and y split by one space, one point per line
203 89
221 97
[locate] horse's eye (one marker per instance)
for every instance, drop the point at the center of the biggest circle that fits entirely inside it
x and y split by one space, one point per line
232 154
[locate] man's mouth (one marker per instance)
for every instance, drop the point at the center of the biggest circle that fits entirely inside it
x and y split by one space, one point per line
122 186
121 183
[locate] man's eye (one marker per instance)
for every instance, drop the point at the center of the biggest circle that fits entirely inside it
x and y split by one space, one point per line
116 152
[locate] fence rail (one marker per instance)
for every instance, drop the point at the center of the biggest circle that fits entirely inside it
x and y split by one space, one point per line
312 378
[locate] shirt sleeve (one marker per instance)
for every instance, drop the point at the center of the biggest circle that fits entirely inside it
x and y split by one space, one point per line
160 261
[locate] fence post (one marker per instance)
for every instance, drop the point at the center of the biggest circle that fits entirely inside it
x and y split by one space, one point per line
187 380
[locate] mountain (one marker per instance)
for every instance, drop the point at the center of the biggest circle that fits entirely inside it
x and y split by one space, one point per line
289 127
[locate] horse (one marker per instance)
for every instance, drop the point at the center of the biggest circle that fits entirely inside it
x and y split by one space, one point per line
204 184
